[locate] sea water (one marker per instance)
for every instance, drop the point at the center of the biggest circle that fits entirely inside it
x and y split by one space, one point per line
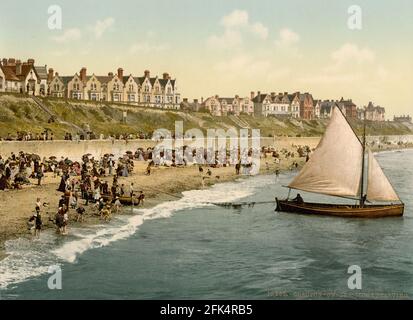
190 248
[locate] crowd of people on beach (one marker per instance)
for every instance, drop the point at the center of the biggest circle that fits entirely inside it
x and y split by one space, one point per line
48 135
86 182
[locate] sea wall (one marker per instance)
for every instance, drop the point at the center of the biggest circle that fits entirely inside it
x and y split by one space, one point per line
72 149
75 149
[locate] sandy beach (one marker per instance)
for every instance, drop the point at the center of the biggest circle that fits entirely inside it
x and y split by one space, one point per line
164 184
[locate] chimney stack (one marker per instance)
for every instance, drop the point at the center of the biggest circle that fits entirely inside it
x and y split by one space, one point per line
272 94
166 76
18 67
83 74
202 99
50 75
147 74
110 74
196 101
11 61
56 74
4 62
259 96
30 61
252 95
185 100
120 73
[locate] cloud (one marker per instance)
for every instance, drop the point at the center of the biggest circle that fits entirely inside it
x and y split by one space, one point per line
333 78
235 18
229 39
287 38
145 47
243 65
349 64
350 52
236 24
260 30
68 35
101 26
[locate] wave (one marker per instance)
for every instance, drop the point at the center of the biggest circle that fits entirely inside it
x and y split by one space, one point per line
30 258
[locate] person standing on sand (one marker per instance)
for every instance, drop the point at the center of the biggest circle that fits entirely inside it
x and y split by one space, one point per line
39 175
38 204
117 205
65 222
38 224
59 220
141 198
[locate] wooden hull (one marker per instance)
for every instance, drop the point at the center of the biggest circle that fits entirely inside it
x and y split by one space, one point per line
127 201
340 210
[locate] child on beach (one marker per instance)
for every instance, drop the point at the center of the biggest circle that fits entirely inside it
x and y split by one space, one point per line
80 212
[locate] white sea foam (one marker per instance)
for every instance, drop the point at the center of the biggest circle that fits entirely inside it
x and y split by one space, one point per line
27 258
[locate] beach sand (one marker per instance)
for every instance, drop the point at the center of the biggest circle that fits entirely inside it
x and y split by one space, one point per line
164 184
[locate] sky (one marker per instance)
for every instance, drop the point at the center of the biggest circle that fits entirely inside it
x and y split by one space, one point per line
228 47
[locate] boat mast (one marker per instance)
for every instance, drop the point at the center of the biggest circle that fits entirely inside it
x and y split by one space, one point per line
362 162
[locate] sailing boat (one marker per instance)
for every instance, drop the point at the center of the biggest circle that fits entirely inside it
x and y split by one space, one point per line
336 168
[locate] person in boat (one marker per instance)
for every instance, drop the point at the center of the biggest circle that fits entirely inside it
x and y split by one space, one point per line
363 200
299 199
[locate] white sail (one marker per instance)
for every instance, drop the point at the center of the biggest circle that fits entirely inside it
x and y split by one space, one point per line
378 186
334 168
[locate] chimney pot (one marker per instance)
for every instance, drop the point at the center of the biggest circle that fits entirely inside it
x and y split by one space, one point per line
50 75
83 74
120 73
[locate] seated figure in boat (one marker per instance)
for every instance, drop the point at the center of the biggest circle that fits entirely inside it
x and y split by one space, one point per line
299 199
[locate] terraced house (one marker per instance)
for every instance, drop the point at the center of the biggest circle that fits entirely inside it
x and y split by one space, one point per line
281 104
219 106
143 91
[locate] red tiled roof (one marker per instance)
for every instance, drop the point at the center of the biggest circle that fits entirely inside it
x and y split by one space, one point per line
9 73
